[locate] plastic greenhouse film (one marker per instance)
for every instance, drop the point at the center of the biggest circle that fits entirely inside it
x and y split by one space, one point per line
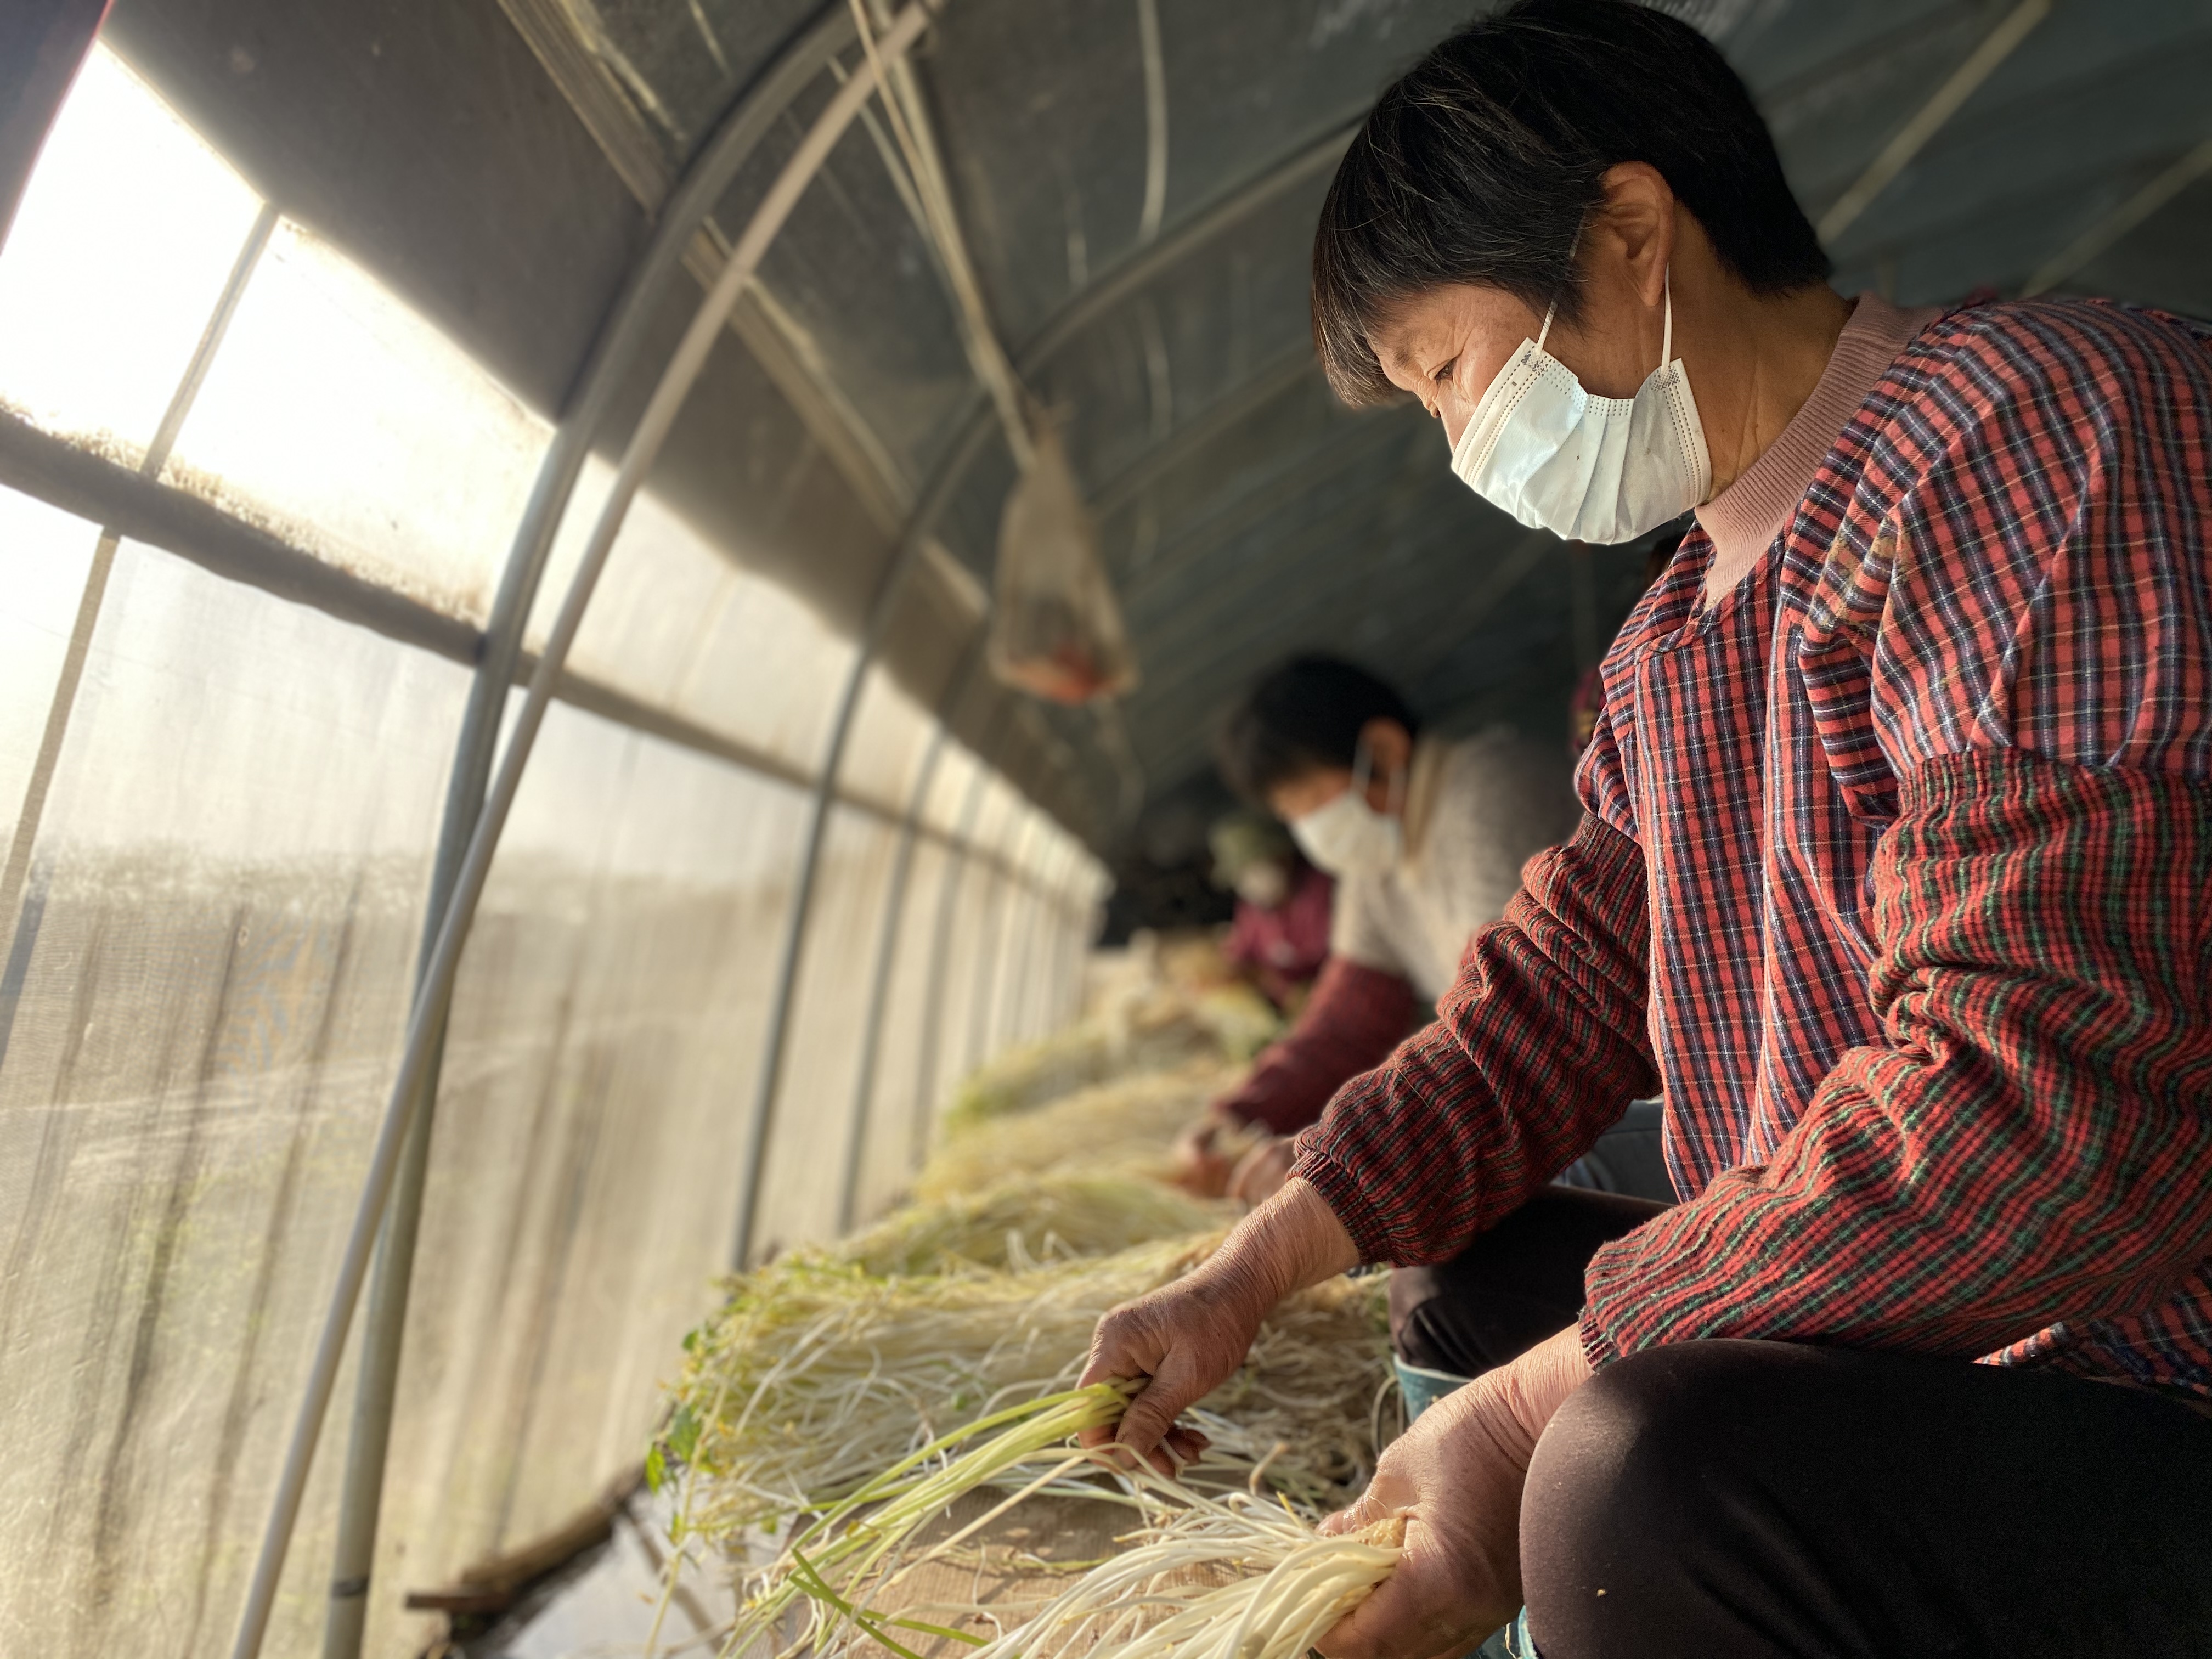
1056 629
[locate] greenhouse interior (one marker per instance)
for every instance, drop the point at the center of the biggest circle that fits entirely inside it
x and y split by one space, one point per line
529 791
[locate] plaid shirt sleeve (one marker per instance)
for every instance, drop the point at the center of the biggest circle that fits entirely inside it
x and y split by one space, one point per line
1354 1017
2007 659
1536 1050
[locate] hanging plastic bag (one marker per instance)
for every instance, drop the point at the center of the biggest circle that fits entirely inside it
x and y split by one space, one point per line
1056 631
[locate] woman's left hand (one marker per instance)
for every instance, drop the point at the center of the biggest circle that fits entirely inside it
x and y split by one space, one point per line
1456 1476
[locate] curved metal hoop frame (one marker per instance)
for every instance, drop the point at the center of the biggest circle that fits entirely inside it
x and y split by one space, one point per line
426 1023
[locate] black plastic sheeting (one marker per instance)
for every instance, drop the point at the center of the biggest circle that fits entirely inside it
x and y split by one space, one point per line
1244 516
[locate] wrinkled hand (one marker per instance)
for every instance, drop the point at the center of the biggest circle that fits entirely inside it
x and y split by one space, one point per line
1456 1477
1185 1339
1201 1168
1260 1173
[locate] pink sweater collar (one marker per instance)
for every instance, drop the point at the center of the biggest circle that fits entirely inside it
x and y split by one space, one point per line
1744 519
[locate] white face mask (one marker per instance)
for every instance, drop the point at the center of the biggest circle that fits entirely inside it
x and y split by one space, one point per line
1266 884
1587 469
1348 837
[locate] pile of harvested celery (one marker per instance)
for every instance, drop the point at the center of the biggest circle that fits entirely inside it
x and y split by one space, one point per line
846 1396
819 1372
1200 1573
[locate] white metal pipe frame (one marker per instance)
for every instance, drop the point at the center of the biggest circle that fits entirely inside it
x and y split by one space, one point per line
620 341
431 996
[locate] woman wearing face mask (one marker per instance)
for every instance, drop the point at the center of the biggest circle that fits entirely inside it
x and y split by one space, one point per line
1278 936
1898 829
1425 837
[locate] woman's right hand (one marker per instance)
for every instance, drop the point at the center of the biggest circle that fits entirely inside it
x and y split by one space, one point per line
1185 1339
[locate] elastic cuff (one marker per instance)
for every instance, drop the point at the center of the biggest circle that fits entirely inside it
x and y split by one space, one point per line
1339 1189
1598 1348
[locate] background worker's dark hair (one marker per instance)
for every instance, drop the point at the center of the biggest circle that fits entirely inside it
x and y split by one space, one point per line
1481 164
1304 716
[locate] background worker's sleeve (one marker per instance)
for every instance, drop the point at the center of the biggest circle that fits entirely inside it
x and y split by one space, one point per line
1536 1050
1355 1016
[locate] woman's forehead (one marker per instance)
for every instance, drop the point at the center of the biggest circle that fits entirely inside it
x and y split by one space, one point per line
1441 321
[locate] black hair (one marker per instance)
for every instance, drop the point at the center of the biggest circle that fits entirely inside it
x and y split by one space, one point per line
1483 162
1304 716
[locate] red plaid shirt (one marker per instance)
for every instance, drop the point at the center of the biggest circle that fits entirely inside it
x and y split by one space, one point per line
1895 877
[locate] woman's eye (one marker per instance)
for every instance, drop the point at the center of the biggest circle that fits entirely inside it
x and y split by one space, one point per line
1443 371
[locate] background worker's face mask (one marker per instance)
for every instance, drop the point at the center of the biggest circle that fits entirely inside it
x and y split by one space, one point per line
1587 469
1349 837
1266 884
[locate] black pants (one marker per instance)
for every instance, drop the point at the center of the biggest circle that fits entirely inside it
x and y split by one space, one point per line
1515 1285
1726 1498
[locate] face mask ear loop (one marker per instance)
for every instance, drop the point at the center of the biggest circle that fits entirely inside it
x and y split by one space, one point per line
1363 770
1543 333
1667 334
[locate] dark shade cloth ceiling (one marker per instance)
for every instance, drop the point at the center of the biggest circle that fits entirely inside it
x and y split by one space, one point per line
498 162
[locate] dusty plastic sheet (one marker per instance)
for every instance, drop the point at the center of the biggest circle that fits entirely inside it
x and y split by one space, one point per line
123 190
177 1204
43 556
606 1034
342 419
807 1129
949 786
889 739
962 994
206 994
683 627
214 956
897 1106
854 286
687 76
1065 164
332 415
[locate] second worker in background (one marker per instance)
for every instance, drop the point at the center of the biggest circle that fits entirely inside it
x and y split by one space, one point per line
1426 837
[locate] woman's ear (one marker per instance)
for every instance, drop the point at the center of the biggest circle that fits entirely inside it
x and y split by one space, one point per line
1390 750
1638 220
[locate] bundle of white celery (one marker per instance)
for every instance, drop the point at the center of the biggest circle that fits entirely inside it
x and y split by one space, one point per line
1202 1573
1234 1575
819 1374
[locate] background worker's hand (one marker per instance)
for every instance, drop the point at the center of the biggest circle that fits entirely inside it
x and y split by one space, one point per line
1186 1338
1260 1173
1456 1477
1201 1167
